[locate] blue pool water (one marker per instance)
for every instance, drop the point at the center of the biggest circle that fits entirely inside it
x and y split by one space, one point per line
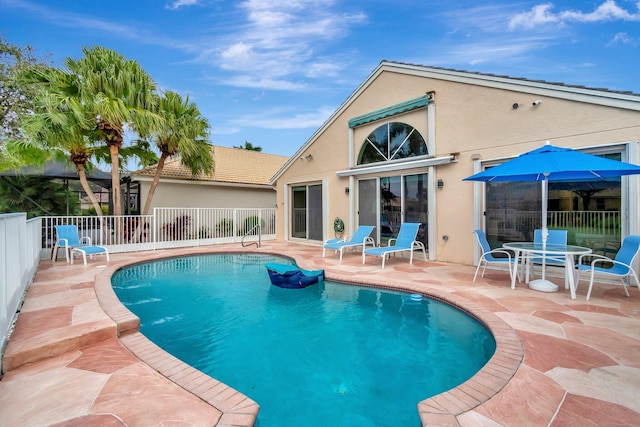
327 355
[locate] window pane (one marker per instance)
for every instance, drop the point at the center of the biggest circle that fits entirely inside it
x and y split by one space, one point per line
390 142
299 212
398 133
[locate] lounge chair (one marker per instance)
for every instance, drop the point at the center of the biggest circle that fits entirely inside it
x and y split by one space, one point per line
406 241
488 257
360 238
69 239
620 267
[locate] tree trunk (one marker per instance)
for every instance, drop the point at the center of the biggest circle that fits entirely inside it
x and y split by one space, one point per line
154 184
115 178
87 189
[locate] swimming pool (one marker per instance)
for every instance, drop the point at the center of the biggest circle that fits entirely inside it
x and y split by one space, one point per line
329 354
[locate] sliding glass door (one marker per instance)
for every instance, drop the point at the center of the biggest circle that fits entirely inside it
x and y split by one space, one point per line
387 202
306 212
589 210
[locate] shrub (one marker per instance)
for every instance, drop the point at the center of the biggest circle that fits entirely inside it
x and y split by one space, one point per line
224 228
251 222
178 229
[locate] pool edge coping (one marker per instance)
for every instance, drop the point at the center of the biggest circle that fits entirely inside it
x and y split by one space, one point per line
239 410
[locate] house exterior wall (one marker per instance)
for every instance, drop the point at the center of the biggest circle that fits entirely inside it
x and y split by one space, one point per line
202 195
470 119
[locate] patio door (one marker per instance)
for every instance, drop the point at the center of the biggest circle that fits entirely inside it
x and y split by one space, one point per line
306 215
368 204
387 202
590 211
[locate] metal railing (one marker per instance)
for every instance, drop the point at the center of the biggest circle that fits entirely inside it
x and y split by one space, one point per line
252 232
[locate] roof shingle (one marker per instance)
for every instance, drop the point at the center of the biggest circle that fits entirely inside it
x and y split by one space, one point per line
231 165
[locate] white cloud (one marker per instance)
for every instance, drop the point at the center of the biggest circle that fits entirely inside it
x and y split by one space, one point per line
180 3
542 14
275 47
278 119
256 82
622 38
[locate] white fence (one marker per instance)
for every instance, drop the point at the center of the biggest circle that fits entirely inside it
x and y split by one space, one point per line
166 228
23 243
19 256
585 227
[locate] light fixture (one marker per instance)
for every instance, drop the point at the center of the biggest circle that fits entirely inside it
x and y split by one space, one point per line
309 157
515 105
440 184
346 190
537 102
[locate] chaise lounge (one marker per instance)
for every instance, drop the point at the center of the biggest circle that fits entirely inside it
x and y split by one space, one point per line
360 238
406 241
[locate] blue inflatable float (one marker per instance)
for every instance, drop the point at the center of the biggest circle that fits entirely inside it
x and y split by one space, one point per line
292 277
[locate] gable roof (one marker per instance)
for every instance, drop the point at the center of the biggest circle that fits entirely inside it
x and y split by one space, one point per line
620 99
231 166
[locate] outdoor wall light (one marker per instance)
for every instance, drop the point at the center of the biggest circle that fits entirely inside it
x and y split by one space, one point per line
440 184
309 157
346 190
515 105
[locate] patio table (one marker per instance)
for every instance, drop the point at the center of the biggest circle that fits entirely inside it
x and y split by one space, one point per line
569 252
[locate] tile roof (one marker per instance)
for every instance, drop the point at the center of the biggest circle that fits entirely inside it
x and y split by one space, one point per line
231 165
504 76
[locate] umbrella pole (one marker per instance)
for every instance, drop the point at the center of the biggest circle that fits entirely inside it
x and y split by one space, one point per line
545 229
543 284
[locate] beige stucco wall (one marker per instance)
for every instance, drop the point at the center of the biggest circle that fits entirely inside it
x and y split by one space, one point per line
469 119
204 195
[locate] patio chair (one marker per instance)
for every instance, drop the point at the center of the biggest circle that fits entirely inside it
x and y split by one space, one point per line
489 258
621 266
406 241
360 238
67 237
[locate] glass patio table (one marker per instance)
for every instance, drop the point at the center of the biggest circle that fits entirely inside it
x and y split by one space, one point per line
529 249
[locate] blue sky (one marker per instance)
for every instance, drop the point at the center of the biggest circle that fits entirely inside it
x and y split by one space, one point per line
272 71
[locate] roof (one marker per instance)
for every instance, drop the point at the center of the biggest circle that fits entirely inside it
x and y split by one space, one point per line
600 96
59 170
231 166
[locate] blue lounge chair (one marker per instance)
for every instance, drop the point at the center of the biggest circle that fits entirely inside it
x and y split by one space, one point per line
360 238
406 241
620 267
488 256
69 239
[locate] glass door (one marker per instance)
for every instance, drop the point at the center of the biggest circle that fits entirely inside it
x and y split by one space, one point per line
390 207
387 202
306 212
590 211
415 197
367 204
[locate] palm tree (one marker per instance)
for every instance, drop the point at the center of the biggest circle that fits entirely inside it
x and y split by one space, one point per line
185 132
119 94
58 123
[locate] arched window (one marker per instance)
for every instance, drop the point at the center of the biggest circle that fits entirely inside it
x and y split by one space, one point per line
392 141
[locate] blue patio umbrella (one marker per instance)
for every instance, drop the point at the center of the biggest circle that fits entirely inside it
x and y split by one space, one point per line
555 164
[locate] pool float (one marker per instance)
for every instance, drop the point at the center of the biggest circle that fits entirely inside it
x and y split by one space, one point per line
292 277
